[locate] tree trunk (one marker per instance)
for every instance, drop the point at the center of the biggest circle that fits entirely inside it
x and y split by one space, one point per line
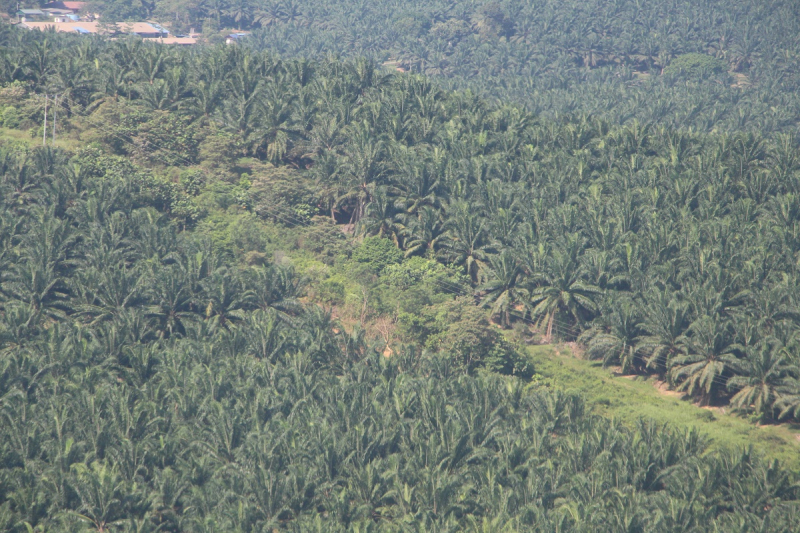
549 336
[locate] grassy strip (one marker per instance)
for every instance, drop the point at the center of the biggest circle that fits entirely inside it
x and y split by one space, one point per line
23 139
629 399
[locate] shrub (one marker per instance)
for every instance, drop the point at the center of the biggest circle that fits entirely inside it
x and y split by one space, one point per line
695 66
331 291
281 194
418 282
11 118
452 30
192 181
324 239
462 331
377 253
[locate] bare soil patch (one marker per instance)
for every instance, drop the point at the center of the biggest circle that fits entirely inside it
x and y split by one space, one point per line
663 388
574 348
740 80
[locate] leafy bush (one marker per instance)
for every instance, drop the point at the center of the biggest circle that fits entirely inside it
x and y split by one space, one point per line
281 194
217 152
462 331
331 291
695 66
192 181
375 254
324 239
451 31
148 136
10 117
415 283
508 359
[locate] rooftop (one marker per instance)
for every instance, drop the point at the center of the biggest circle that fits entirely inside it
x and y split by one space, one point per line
63 27
72 6
57 11
139 27
150 32
93 27
177 40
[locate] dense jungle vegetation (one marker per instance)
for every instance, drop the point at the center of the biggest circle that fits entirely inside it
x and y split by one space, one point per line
706 65
246 293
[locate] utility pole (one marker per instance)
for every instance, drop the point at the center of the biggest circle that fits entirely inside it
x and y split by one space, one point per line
44 135
55 117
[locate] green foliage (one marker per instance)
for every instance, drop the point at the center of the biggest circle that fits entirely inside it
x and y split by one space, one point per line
418 282
158 370
222 195
459 330
155 138
10 117
494 20
695 66
452 30
237 234
413 272
629 399
324 239
15 105
192 181
331 291
120 10
280 194
218 151
375 254
507 359
462 331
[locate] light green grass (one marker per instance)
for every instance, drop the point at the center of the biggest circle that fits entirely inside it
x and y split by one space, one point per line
629 399
18 136
23 138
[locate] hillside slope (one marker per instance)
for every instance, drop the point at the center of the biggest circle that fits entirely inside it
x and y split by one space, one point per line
630 398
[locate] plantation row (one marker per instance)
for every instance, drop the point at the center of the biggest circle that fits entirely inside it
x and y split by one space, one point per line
706 65
239 294
666 251
149 383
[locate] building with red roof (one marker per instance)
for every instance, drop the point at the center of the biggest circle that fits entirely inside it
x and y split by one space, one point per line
75 7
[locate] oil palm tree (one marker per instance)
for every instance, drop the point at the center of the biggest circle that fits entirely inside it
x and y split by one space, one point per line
615 336
227 296
501 290
422 233
380 216
173 299
40 279
760 375
709 351
664 326
467 243
240 11
276 287
558 288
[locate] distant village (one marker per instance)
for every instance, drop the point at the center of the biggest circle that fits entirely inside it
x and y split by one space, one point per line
74 17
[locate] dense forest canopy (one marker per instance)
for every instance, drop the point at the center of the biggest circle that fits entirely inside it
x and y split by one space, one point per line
152 382
246 291
609 59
